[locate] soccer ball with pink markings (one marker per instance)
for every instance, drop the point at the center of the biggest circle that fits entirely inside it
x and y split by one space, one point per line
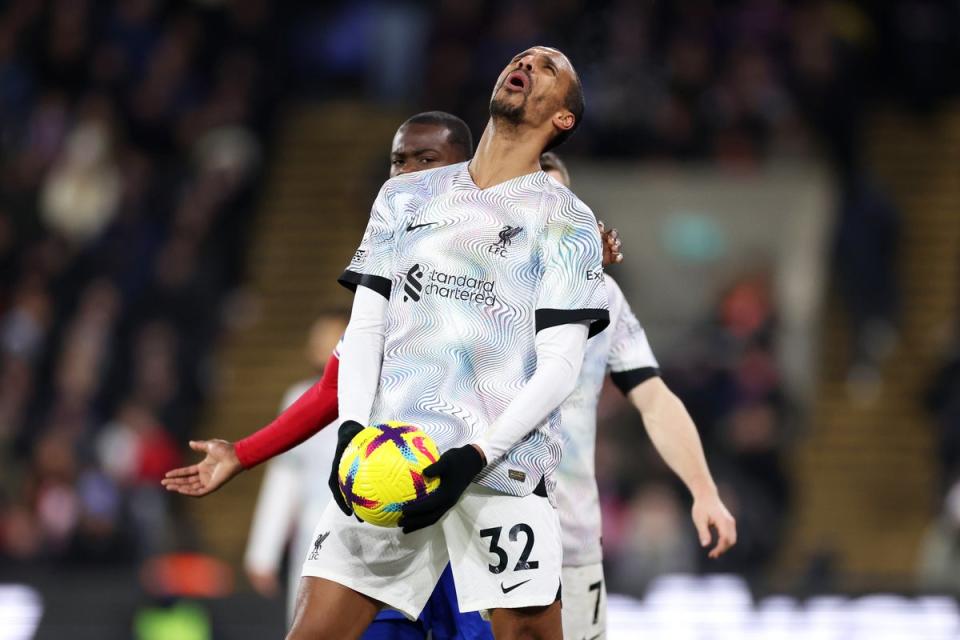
381 470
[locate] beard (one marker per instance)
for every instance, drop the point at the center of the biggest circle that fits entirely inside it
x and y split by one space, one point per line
511 114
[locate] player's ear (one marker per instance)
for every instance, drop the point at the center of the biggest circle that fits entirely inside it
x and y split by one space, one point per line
564 120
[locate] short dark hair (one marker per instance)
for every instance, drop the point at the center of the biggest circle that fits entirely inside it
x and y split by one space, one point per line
549 161
574 103
459 132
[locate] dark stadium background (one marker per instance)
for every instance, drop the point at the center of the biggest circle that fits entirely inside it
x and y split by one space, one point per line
180 182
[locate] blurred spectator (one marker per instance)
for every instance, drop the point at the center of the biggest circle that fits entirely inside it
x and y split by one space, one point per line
658 541
730 382
82 191
866 256
943 402
135 451
939 562
939 566
749 421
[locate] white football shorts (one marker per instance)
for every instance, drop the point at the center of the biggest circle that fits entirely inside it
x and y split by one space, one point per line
505 552
584 603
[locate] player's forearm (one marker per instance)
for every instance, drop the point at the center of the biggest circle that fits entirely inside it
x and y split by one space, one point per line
311 412
362 355
674 434
559 358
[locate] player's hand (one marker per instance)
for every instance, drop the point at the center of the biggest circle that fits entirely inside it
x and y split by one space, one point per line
611 245
455 468
345 434
215 470
709 513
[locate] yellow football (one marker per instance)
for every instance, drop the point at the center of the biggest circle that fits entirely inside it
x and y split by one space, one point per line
381 470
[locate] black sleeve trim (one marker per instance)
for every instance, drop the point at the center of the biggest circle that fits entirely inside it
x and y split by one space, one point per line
546 318
627 381
350 280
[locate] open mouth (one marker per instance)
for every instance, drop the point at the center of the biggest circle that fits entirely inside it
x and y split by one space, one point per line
517 81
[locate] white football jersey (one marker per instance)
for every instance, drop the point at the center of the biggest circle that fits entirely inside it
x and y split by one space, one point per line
622 350
471 275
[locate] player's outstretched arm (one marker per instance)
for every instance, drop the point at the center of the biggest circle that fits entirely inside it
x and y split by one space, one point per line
215 470
676 439
310 413
316 408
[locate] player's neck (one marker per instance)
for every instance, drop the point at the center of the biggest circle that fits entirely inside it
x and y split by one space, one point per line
503 154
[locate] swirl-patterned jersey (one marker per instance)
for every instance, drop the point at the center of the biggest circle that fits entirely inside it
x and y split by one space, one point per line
471 276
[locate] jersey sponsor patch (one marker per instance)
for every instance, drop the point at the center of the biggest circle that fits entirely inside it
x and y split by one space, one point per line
423 280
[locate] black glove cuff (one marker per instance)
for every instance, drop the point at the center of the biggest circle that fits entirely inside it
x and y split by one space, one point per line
472 459
348 429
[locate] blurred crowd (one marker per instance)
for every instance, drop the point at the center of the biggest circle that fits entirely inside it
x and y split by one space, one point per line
132 142
131 138
735 81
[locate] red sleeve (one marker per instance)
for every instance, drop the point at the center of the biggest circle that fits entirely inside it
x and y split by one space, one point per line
314 410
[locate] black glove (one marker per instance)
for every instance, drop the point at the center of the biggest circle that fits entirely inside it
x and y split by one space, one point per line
455 468
345 434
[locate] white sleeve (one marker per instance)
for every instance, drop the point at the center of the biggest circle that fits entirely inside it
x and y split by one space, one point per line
560 352
372 262
572 288
631 361
361 356
273 517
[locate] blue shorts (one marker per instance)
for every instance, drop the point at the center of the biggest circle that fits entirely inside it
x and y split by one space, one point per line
441 616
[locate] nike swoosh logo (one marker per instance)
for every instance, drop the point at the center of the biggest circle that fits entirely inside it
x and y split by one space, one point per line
509 589
596 636
411 227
